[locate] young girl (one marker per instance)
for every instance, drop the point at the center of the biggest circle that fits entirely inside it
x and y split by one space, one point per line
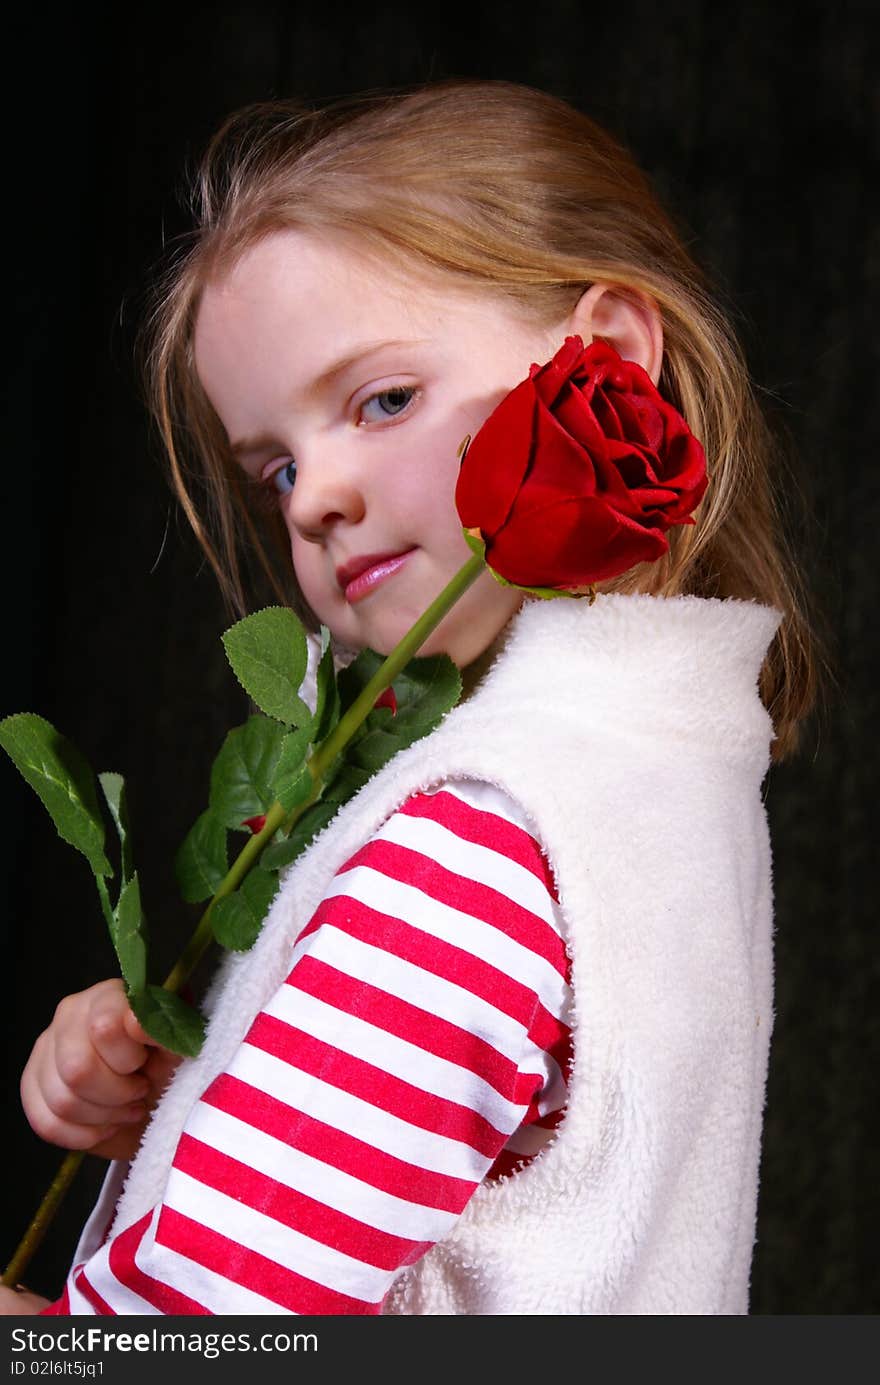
501 1046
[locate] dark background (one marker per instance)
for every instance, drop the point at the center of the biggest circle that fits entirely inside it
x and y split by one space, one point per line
755 122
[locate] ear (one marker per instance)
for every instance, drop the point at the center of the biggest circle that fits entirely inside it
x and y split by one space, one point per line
628 321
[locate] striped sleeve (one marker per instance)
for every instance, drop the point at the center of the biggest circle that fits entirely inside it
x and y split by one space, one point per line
418 1046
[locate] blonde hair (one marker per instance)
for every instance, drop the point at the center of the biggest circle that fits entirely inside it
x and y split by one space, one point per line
513 192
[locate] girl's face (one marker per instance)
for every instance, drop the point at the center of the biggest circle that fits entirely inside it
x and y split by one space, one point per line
346 389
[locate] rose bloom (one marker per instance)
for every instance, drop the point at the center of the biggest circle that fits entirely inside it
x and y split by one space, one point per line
577 474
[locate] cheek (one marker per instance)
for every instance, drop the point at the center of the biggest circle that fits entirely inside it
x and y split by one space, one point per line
440 517
420 500
311 576
428 459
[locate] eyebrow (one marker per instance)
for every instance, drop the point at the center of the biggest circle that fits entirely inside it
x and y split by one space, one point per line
322 383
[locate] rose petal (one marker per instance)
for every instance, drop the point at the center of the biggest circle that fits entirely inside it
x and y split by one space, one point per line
551 378
570 543
496 462
387 699
561 461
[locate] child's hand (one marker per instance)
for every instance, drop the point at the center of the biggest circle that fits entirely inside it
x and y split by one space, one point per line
94 1075
20 1302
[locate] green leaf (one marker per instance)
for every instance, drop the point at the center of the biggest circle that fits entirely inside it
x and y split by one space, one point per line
347 780
237 918
328 707
298 789
244 770
113 786
201 862
292 782
269 655
169 1020
353 679
425 690
62 778
128 935
313 820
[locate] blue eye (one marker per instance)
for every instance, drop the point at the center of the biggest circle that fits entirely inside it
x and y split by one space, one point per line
284 477
387 403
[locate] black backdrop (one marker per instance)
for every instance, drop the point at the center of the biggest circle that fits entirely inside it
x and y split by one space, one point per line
754 121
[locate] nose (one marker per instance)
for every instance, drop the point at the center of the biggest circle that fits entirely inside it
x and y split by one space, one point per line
325 494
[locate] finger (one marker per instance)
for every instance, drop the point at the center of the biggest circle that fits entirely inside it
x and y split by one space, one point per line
136 1031
74 1072
159 1067
71 1104
118 1038
20 1301
58 1130
94 1022
28 1301
124 1144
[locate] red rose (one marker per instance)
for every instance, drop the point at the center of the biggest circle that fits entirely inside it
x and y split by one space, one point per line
579 471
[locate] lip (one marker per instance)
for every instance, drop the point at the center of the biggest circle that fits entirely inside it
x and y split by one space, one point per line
359 577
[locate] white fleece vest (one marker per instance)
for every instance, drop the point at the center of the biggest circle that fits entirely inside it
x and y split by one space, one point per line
632 734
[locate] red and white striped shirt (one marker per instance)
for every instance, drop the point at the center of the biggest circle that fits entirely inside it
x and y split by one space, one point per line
418 1046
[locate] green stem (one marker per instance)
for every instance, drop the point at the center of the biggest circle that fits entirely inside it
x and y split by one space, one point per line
397 659
276 817
203 936
322 760
43 1219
